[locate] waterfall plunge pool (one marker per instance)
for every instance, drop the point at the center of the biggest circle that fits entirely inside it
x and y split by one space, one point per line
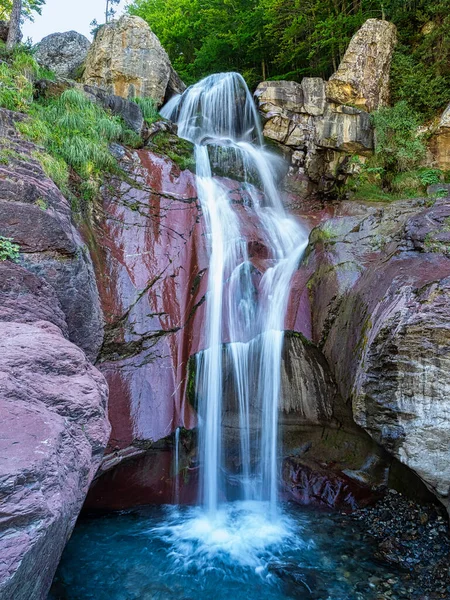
243 553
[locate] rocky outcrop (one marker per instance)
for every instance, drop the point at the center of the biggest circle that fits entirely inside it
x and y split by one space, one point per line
4 28
440 142
53 432
38 217
127 59
63 53
318 125
317 136
362 79
380 294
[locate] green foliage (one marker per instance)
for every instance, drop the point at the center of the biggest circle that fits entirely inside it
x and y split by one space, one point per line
28 8
289 39
8 250
149 109
398 146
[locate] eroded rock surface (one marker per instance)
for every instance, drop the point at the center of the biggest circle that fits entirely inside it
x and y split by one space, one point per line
35 214
440 142
53 430
127 59
63 53
380 295
362 78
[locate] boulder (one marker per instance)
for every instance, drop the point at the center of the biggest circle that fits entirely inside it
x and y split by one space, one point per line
277 97
128 110
440 142
38 217
63 53
53 432
127 59
362 78
313 95
380 292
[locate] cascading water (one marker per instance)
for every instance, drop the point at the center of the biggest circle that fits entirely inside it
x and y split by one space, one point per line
218 115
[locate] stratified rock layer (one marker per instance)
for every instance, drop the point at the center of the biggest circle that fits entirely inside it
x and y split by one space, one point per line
362 78
440 142
380 293
127 59
35 214
53 430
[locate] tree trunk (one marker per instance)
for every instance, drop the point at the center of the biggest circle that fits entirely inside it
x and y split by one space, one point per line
14 24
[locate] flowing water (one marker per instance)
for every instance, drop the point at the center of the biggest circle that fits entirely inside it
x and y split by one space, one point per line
245 309
249 548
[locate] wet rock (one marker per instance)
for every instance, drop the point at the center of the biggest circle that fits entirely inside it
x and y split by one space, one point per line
52 432
127 59
63 53
404 533
37 216
362 78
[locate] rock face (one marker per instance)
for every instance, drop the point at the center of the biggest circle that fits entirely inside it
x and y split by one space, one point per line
362 78
440 142
63 53
37 216
127 59
319 124
317 136
4 28
380 295
52 432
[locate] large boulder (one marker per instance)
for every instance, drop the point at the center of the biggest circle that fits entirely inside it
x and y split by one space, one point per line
380 292
127 59
440 142
63 53
53 432
362 78
38 217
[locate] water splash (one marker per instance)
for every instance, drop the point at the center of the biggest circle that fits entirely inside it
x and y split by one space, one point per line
219 116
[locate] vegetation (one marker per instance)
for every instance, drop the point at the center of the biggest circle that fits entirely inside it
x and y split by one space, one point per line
289 39
74 133
8 250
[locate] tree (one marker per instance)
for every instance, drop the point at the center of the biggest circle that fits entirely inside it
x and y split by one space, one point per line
15 11
110 11
14 24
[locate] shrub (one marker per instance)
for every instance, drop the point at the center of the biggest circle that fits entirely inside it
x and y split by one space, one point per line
8 250
398 146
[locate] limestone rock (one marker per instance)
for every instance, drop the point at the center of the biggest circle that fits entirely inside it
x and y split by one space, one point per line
362 78
314 95
53 432
127 59
277 97
440 142
63 53
38 217
344 128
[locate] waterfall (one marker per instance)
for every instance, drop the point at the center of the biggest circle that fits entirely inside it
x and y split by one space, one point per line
245 304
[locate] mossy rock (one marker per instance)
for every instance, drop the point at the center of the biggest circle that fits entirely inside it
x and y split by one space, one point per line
179 150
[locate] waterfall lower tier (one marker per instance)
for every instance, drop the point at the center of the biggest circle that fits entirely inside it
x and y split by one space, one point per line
246 306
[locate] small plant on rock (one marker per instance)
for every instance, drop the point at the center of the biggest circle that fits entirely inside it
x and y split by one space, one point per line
8 250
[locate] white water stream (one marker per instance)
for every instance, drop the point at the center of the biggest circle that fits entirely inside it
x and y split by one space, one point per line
244 307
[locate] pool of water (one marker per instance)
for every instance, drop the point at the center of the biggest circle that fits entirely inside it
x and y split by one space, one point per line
243 552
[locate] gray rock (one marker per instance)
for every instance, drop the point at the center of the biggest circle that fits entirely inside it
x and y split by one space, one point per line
362 78
63 53
4 28
279 97
314 95
129 111
344 128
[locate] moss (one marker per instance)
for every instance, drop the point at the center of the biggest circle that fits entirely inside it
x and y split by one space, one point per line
179 150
